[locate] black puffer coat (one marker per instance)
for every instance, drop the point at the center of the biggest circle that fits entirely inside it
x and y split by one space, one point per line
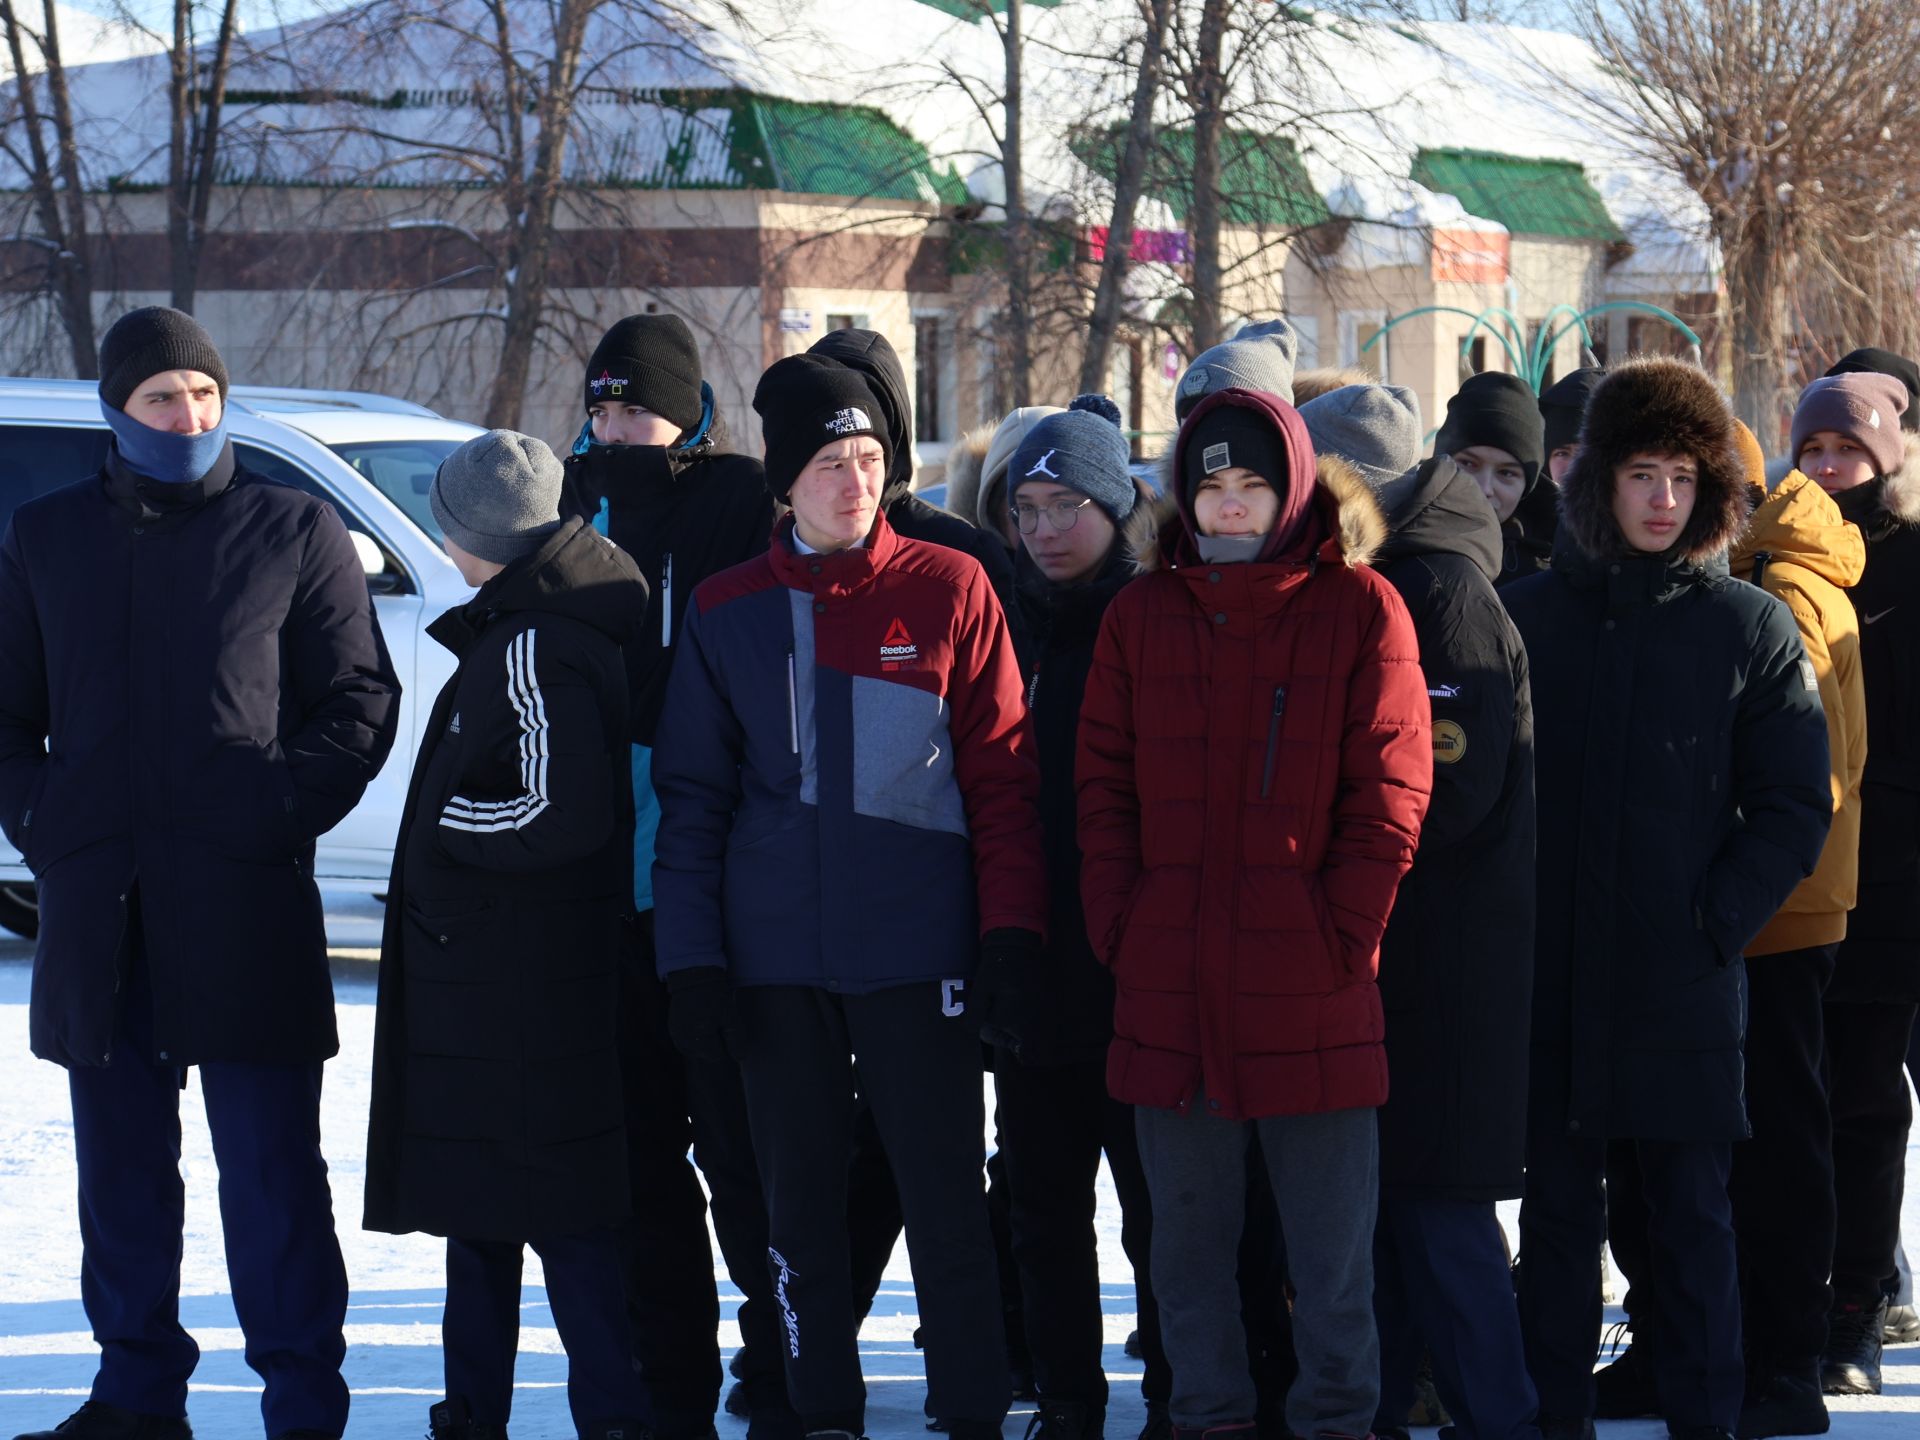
192 687
1456 966
1062 623
1880 960
496 1079
1681 779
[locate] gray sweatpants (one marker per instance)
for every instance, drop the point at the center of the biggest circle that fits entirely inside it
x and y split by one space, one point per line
1325 1171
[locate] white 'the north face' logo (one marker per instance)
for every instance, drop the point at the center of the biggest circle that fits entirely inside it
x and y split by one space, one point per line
850 421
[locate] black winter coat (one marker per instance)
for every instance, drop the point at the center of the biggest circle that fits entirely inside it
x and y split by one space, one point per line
1456 965
1880 960
1526 539
496 1078
682 517
869 352
193 686
1683 791
1074 1016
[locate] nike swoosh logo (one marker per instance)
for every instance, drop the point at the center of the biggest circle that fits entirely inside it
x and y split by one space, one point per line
1869 619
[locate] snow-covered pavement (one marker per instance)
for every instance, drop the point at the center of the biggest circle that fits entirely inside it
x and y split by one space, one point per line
393 1364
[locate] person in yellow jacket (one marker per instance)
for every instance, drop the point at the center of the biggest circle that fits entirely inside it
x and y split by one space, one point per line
1802 550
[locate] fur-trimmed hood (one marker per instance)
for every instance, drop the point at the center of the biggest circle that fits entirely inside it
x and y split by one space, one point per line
964 462
1666 407
1344 519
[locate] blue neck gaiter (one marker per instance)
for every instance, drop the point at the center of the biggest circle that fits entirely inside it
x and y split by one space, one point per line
162 456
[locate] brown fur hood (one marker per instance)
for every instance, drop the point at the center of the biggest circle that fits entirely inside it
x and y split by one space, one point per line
1665 407
964 462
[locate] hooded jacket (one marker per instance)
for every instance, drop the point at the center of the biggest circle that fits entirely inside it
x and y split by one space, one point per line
1074 1021
846 773
1681 776
1254 763
1798 549
496 1109
1880 960
1456 963
682 514
869 352
193 687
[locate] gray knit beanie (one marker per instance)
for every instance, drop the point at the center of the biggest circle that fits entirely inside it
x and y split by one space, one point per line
1084 450
1374 428
1259 358
991 504
498 496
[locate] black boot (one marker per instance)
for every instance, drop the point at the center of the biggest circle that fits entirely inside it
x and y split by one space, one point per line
1625 1389
1066 1420
1852 1362
1565 1427
1788 1403
452 1420
97 1420
616 1430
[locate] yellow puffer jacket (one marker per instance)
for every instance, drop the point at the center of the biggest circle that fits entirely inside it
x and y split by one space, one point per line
1811 556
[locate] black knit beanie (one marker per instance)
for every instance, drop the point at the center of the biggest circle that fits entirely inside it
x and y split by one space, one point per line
1234 437
805 403
1500 410
648 360
1563 405
1875 361
151 341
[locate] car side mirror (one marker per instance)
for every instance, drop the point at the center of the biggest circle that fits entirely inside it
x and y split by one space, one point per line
373 564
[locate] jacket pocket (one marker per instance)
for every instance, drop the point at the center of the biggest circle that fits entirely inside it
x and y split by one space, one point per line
1277 714
33 818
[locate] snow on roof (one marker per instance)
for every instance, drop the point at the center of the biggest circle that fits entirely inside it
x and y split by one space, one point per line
1374 96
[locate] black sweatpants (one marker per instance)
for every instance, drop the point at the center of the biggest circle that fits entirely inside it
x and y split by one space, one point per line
920 1071
1055 1120
1563 1220
1782 1186
672 1303
1867 1090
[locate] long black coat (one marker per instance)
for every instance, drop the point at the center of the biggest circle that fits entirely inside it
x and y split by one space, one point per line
1456 965
496 1079
1880 960
193 686
1682 784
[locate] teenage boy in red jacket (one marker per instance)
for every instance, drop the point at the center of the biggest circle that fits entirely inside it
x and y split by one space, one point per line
849 829
1255 762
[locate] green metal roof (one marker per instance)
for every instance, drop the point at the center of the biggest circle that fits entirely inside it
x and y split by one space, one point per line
819 149
1262 181
1529 197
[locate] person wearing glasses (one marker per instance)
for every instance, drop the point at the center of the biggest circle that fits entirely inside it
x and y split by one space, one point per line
1081 524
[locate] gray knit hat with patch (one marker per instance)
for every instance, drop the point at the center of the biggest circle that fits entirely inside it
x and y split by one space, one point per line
498 496
1259 358
1374 428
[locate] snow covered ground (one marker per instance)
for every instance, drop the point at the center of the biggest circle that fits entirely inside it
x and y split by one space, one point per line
47 1355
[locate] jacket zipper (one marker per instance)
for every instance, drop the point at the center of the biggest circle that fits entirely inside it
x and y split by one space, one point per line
666 606
793 704
1273 739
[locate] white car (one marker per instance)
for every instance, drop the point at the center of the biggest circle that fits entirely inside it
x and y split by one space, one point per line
372 457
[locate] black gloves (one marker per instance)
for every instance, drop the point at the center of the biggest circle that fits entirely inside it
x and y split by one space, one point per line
1004 995
700 1012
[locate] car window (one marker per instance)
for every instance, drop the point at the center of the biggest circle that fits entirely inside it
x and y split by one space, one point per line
37 458
402 470
271 466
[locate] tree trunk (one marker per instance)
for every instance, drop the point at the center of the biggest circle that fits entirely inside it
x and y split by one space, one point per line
194 148
1019 234
1208 92
1756 288
180 157
1129 181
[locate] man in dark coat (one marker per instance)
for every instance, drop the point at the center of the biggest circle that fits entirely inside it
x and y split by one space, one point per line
496 1117
1871 1002
1494 432
1456 963
652 469
193 688
1681 763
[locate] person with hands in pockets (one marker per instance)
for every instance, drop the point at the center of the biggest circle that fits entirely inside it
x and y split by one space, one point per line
848 798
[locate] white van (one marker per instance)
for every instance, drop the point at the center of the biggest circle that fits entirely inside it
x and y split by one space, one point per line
372 458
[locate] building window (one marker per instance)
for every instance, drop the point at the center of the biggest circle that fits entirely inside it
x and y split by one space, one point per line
1307 328
1363 343
933 399
847 320
1477 354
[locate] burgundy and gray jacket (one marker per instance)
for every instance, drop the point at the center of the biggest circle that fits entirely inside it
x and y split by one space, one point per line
847 780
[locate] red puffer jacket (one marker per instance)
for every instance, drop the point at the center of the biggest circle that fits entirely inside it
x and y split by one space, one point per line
1254 763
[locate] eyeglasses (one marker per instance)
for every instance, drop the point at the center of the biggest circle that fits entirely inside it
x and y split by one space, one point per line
1061 514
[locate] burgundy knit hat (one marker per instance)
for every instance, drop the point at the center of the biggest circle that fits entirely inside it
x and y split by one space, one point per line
1864 407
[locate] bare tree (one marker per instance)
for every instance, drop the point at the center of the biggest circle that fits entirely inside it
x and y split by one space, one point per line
196 97
1789 119
42 144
